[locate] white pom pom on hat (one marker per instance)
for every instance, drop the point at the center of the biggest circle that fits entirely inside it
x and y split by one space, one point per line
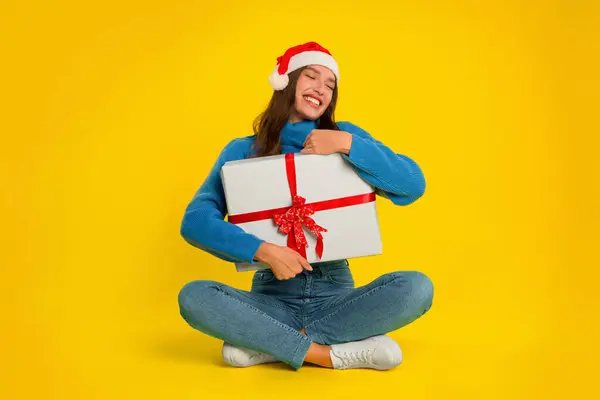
278 82
296 57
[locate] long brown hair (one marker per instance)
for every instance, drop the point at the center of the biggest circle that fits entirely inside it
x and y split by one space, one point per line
268 125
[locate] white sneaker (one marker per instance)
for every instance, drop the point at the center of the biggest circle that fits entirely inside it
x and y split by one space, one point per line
377 352
243 357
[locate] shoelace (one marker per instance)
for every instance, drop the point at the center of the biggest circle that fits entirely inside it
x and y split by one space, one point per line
363 356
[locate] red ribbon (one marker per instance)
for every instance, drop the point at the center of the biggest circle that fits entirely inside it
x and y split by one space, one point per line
291 219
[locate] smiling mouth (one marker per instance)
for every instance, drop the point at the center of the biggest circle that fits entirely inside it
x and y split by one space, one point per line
315 103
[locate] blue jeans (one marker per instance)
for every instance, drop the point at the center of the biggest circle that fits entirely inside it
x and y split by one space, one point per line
324 302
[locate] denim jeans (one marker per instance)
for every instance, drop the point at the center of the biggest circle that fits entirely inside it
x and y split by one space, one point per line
324 302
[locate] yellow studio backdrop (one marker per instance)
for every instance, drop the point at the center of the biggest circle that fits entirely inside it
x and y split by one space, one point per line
113 113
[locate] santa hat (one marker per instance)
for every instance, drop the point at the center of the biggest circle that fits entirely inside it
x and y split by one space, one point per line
296 57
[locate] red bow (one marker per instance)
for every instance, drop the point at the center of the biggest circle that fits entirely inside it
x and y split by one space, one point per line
290 222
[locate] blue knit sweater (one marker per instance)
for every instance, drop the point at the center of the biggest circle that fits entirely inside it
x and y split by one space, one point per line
394 176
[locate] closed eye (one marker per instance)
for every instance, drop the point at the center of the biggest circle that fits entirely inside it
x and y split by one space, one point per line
312 77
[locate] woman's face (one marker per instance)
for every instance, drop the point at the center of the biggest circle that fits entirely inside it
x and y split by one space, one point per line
314 90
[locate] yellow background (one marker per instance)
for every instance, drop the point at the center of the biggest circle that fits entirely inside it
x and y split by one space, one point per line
113 113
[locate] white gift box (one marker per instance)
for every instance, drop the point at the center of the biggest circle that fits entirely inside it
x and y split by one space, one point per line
262 184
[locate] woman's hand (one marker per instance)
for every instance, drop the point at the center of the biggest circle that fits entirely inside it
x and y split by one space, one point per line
327 141
284 262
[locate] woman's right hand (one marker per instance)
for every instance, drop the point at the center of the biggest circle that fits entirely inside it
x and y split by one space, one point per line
284 262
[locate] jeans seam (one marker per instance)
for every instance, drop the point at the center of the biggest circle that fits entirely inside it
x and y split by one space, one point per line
315 332
298 363
351 301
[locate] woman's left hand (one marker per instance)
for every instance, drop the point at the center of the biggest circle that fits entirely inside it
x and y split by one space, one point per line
327 141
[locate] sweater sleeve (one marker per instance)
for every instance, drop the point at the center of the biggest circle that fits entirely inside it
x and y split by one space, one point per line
394 176
203 224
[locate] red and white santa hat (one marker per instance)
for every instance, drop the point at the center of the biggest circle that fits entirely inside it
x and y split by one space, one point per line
296 57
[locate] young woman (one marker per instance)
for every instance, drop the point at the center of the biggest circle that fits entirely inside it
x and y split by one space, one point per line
296 312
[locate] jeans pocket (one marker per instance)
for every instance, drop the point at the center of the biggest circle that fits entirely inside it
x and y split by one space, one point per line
340 275
263 276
